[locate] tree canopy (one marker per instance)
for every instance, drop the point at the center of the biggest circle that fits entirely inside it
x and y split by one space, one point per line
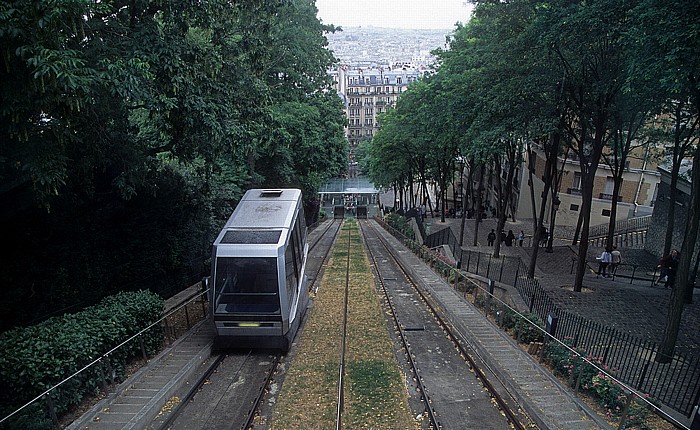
128 130
570 76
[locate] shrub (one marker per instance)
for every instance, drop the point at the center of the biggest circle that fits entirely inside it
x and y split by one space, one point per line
400 224
525 332
570 364
35 358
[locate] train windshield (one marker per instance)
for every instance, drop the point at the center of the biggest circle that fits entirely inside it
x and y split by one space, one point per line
246 285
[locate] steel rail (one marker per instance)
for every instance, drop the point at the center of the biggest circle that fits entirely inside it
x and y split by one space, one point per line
190 394
510 415
343 337
432 416
317 276
252 413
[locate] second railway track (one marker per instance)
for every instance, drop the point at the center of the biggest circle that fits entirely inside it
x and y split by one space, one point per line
456 388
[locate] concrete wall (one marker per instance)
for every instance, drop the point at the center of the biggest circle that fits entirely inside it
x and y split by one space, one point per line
659 219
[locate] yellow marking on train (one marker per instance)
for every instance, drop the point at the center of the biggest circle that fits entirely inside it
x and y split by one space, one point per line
248 324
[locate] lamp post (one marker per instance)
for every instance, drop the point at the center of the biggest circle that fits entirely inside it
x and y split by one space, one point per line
461 184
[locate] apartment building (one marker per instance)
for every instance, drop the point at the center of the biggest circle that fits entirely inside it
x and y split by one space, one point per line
640 182
367 92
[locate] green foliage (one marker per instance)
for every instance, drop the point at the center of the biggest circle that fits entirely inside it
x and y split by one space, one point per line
525 332
400 224
129 131
35 358
569 363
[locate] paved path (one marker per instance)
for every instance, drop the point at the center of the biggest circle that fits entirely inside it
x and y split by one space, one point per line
636 308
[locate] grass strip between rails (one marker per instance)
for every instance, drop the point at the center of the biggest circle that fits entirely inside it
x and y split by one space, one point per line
374 388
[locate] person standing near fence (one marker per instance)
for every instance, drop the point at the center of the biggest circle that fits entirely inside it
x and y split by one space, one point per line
668 266
603 262
510 238
521 238
616 260
491 238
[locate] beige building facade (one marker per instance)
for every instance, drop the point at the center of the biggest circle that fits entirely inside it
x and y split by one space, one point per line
640 181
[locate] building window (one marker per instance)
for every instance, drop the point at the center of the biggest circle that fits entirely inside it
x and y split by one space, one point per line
606 212
577 181
609 185
573 207
398 80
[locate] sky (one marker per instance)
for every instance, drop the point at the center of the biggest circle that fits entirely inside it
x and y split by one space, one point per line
414 14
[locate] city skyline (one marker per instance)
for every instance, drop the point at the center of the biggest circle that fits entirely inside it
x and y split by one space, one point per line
407 14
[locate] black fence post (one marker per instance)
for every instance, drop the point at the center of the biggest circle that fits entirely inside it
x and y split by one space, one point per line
503 263
143 348
52 409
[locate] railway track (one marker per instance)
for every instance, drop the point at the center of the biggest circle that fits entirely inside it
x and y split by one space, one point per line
232 388
319 256
226 395
422 330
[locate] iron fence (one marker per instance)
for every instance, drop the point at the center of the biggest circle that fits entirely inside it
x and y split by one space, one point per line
675 384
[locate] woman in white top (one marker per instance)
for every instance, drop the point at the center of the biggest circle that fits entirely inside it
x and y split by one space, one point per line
604 259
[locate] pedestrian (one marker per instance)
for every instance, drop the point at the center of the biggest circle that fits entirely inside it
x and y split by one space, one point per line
668 265
510 238
503 236
491 237
603 262
543 236
521 238
616 260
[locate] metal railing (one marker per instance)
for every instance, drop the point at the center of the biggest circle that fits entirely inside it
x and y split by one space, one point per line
102 365
676 384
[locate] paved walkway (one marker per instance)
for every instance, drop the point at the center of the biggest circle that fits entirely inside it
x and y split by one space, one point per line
634 307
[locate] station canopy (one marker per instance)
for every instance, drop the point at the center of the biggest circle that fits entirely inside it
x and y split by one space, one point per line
356 185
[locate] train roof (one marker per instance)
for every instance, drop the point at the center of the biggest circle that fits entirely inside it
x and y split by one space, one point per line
260 217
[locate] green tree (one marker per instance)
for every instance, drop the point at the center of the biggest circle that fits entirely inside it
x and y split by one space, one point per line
666 36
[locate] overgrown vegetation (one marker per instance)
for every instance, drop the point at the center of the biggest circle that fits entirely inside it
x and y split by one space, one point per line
35 358
128 131
400 223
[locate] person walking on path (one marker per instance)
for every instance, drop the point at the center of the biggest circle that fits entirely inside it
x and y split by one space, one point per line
544 235
603 261
521 238
491 238
510 238
668 265
616 260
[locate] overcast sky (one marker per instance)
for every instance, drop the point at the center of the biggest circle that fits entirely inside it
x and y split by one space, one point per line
438 14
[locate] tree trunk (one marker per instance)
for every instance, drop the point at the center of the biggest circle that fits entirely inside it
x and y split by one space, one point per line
587 199
613 210
479 204
681 284
671 220
577 233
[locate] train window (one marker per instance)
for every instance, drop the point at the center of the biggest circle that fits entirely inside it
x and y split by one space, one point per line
290 269
246 285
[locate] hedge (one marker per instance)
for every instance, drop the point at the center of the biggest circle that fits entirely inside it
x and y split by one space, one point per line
35 358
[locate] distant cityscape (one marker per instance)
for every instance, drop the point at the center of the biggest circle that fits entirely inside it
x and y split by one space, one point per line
376 47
